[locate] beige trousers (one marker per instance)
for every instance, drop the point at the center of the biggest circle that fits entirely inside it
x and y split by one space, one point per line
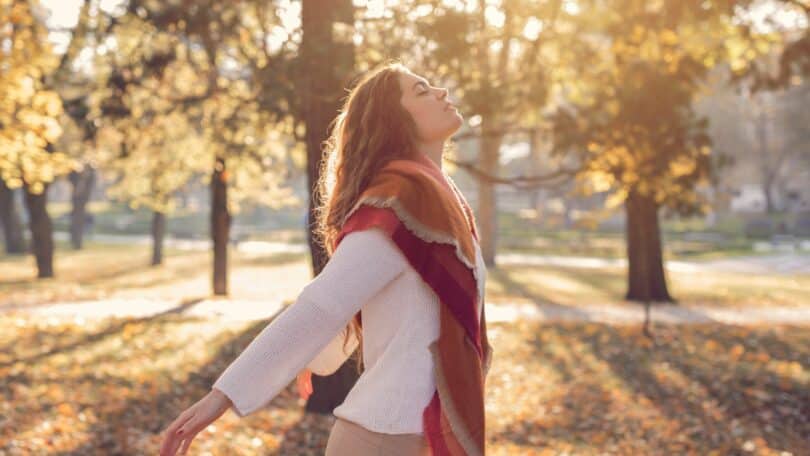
351 439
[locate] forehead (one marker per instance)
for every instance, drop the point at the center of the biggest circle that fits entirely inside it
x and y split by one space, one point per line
408 80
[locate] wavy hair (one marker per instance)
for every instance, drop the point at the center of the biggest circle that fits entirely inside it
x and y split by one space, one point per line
371 129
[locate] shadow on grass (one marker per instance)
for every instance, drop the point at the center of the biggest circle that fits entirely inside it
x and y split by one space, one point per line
609 282
123 275
578 416
99 335
703 388
542 301
163 404
91 273
112 431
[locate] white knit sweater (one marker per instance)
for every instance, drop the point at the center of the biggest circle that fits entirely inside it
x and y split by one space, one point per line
400 320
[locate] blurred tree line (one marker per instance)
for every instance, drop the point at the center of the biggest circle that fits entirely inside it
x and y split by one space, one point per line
239 92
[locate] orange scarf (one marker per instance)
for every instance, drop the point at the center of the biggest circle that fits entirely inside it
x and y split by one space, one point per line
427 217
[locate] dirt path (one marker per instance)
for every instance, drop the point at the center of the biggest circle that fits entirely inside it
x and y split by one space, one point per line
781 263
777 263
243 310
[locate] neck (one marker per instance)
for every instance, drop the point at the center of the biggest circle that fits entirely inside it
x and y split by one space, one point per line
433 151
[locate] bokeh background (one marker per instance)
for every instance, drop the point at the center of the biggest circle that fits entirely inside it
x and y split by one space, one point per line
638 171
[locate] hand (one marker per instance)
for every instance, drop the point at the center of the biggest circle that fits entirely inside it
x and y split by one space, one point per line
304 383
193 420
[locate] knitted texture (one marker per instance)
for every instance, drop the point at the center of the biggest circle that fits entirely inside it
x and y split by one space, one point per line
422 211
355 273
367 273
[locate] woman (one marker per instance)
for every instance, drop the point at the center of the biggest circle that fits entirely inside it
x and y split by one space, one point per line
404 284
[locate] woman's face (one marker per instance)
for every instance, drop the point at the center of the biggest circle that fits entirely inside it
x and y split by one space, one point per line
435 117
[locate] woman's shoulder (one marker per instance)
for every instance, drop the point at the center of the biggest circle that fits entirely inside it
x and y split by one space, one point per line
372 240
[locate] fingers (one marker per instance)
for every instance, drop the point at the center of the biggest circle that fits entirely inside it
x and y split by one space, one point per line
188 431
179 421
173 443
170 444
187 443
173 438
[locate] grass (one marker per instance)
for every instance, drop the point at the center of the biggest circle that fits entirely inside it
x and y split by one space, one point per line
103 270
116 218
584 287
110 386
546 237
605 245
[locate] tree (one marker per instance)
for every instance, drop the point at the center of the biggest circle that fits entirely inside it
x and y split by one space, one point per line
196 59
151 168
788 21
325 65
10 219
30 116
775 122
630 119
79 133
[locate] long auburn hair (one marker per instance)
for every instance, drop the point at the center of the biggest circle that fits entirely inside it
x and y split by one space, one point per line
371 129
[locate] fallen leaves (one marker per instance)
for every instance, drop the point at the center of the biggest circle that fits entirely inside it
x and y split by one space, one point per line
111 386
599 389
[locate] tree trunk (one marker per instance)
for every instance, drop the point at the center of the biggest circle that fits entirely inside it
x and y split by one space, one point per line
10 219
326 67
769 167
41 230
534 167
646 280
82 183
158 234
768 191
220 226
487 203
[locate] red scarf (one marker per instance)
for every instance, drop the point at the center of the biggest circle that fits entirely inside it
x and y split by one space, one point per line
427 217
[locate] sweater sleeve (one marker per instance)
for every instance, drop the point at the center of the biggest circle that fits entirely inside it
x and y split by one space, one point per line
363 264
334 354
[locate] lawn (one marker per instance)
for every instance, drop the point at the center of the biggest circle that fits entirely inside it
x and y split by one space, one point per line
105 270
597 286
545 236
109 386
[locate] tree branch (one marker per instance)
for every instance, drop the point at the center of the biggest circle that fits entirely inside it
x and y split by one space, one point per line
519 182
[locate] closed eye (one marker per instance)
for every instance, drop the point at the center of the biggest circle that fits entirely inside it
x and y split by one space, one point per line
424 85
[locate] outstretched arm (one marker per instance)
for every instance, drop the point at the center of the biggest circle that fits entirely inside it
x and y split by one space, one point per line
334 355
362 265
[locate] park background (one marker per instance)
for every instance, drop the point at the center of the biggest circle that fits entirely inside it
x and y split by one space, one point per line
156 161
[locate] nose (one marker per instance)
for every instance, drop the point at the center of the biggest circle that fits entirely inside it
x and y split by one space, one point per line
444 92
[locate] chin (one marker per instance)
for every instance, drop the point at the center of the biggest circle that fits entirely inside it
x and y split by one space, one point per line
457 125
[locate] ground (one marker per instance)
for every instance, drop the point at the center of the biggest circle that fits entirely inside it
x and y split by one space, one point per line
95 384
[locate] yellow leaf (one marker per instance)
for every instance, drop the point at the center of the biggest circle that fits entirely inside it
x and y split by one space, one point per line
65 409
668 37
616 198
